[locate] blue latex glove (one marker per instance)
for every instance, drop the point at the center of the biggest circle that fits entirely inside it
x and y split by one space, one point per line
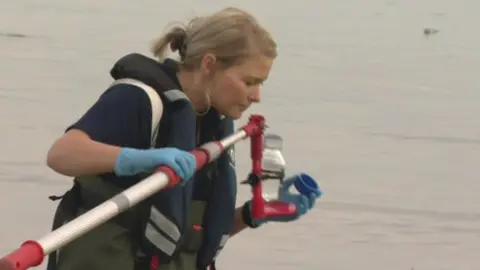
133 161
303 203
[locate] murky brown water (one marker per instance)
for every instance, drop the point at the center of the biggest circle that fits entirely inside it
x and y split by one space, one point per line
384 118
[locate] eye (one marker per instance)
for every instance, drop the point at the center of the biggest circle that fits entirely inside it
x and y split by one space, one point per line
252 83
249 84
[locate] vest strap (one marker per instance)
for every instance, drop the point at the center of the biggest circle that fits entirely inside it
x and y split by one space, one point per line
155 102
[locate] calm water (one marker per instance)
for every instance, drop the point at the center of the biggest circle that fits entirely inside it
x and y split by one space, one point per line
384 118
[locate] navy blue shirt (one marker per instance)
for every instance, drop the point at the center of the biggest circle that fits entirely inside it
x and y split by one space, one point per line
122 117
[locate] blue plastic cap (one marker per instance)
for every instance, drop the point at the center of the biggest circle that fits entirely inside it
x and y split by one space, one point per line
306 185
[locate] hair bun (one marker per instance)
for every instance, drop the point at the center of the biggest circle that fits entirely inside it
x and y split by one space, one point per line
178 37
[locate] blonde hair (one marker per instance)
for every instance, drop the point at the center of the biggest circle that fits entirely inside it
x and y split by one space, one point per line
231 34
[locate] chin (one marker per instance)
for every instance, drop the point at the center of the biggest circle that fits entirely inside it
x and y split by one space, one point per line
235 115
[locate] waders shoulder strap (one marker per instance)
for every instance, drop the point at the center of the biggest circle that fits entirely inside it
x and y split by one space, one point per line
155 102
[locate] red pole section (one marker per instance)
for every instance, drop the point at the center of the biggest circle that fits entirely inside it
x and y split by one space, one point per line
29 254
256 152
260 208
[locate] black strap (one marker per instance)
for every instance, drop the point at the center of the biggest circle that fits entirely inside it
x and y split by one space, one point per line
246 215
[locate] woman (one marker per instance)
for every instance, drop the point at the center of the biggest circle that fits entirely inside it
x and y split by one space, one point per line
224 58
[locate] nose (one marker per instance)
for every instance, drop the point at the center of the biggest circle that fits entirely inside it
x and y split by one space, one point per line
254 96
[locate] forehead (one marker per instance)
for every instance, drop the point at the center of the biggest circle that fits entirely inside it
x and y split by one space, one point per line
255 66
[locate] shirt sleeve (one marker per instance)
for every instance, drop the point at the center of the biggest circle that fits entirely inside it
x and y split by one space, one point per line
121 116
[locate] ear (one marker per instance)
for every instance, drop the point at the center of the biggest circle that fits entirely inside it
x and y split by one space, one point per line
208 64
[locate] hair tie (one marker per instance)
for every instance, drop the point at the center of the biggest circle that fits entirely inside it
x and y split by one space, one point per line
182 50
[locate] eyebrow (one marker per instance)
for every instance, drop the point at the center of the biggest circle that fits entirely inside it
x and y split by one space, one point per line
255 78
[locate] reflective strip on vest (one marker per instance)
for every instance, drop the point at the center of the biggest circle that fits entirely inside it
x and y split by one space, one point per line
165 227
174 95
223 241
160 241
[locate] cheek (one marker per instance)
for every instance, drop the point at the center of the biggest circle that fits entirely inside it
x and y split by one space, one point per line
228 92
